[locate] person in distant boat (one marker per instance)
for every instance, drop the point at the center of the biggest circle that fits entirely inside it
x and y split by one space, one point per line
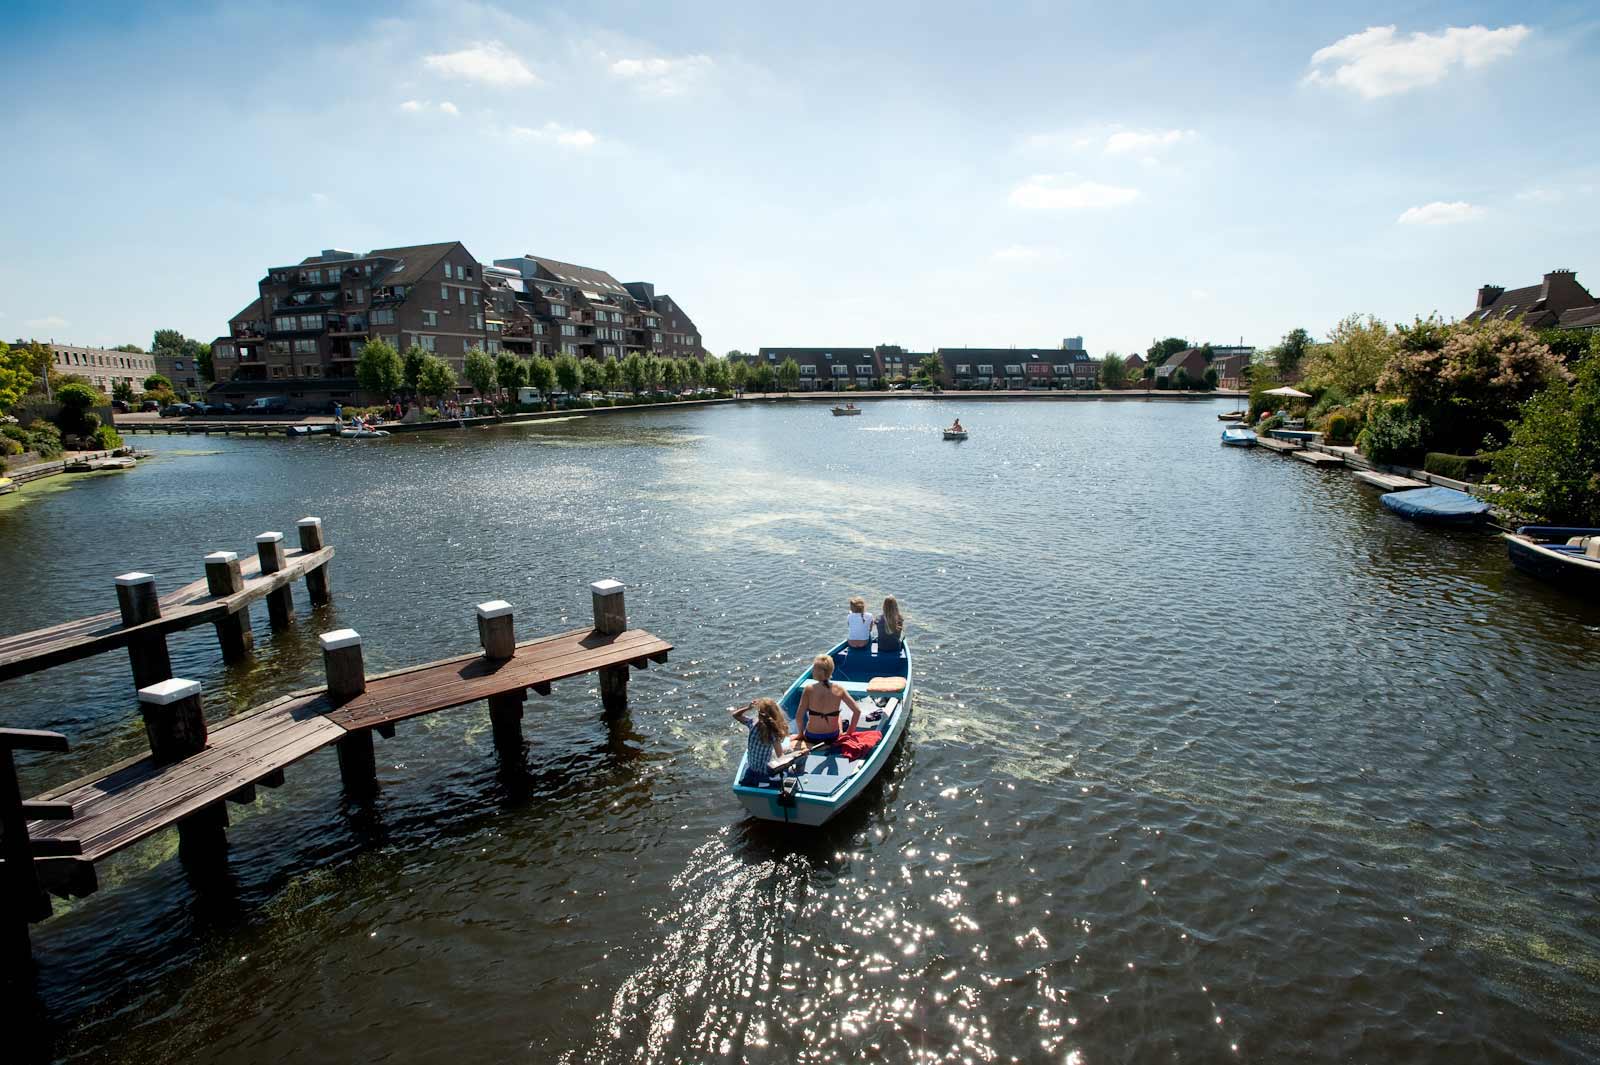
768 735
858 624
956 428
821 705
891 627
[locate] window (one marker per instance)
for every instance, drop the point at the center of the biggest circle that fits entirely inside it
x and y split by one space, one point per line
425 342
986 368
557 311
655 338
493 347
808 370
841 371
465 272
568 329
963 367
305 347
361 294
284 323
430 317
608 350
494 327
461 295
177 364
277 347
383 316
1061 370
447 269
311 321
314 277
863 369
277 371
1014 370
538 329
474 297
444 291
311 369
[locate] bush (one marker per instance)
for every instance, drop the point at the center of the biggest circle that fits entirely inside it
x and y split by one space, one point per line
1455 467
107 439
1551 468
14 432
1340 427
35 407
44 438
1266 425
1394 435
1331 399
9 447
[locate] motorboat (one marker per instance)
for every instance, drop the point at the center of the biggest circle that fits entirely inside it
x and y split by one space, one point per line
1239 436
1564 554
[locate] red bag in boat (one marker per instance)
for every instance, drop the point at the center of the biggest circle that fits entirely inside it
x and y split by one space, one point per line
857 744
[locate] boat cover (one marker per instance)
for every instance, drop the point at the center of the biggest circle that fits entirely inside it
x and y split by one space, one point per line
1436 504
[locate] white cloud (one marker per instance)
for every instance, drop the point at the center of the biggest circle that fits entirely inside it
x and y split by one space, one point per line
1131 140
417 107
412 105
1540 195
555 133
1064 192
489 62
661 76
449 108
1376 62
48 322
1439 213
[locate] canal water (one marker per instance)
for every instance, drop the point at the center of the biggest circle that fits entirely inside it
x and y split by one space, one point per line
1212 758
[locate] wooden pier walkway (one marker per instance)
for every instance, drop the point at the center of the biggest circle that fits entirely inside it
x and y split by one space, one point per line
1317 458
1280 446
1389 482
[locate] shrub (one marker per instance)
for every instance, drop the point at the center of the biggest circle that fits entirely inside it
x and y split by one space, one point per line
14 432
1341 427
1551 468
107 439
10 447
1455 467
1269 424
44 438
1394 435
35 407
1331 399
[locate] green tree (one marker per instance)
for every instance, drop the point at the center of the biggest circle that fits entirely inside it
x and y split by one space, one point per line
16 374
156 383
508 373
1210 378
788 375
435 379
122 390
132 349
413 362
633 372
1207 352
569 374
379 369
594 375
738 373
612 368
480 372
542 375
1357 351
716 374
671 373
1161 350
1113 370
761 378
654 372
1291 352
1550 471
77 416
201 354
1180 378
932 367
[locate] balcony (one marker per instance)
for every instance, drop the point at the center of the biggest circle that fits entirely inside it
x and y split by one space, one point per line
349 327
390 294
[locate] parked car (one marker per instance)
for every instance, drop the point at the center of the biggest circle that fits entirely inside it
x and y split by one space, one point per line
215 408
120 406
178 410
150 405
268 405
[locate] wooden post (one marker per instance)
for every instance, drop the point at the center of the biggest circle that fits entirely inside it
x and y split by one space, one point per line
317 579
347 678
21 898
175 724
497 633
139 603
280 603
224 577
611 619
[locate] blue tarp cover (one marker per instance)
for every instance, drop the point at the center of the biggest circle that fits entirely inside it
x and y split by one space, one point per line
1436 504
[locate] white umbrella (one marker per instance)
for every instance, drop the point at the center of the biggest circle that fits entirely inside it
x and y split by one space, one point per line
1287 392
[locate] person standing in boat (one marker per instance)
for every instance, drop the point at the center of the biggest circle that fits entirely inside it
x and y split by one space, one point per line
891 627
768 732
821 705
858 624
956 428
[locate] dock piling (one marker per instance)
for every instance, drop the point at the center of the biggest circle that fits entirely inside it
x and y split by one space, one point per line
316 580
175 724
611 619
280 601
497 633
225 577
139 603
22 897
345 666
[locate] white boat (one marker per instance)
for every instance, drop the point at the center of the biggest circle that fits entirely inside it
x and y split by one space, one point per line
361 434
955 434
821 783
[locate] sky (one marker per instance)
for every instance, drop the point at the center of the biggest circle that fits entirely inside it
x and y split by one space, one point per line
930 174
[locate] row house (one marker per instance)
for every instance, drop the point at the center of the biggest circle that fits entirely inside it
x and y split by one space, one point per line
1018 368
828 369
101 367
1557 302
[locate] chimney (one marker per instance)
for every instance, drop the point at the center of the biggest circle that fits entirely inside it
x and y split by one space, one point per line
1488 294
1556 279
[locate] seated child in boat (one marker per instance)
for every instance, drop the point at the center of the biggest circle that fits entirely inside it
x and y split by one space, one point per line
817 718
768 735
891 627
858 625
956 428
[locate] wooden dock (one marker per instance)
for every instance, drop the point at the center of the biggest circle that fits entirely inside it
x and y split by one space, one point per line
1389 482
51 843
1320 459
1283 447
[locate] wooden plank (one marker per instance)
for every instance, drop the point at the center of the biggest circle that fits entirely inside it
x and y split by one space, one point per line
1389 482
1280 446
1318 458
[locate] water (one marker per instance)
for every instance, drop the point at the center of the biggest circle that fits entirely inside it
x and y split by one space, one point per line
1212 758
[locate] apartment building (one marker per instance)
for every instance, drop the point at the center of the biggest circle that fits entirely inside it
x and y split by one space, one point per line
1016 368
303 333
102 367
827 369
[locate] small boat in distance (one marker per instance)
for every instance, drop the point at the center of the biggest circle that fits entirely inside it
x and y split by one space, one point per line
1239 436
1563 554
1436 506
824 780
955 434
1231 416
846 410
361 433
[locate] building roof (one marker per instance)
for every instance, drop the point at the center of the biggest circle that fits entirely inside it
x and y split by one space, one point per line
1189 360
1580 318
1537 305
583 276
251 313
1135 360
415 260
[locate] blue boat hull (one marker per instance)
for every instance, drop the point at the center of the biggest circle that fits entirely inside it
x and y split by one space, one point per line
1437 506
828 783
1541 551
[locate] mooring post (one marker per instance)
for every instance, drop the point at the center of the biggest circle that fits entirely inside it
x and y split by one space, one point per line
347 678
280 601
611 619
317 579
224 577
175 724
21 897
139 603
497 633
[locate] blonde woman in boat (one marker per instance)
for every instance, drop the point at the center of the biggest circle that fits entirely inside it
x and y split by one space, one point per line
821 705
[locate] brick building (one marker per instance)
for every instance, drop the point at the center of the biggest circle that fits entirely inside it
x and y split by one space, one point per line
103 368
1557 302
1016 368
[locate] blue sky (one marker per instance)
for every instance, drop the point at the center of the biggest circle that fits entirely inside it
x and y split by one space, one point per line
923 174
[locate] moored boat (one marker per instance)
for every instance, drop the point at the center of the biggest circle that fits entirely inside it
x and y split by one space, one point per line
1239 436
1568 555
955 434
843 412
1231 416
821 783
1437 506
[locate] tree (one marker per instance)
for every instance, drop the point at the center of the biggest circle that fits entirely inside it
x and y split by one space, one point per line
542 375
1547 471
435 379
789 375
594 375
932 367
1113 370
156 383
760 377
653 371
132 349
16 374
201 354
612 368
122 390
1180 378
1161 350
508 373
633 372
1210 378
480 372
569 375
1356 353
735 353
167 342
738 373
415 359
1291 352
76 417
671 374
1467 380
379 369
